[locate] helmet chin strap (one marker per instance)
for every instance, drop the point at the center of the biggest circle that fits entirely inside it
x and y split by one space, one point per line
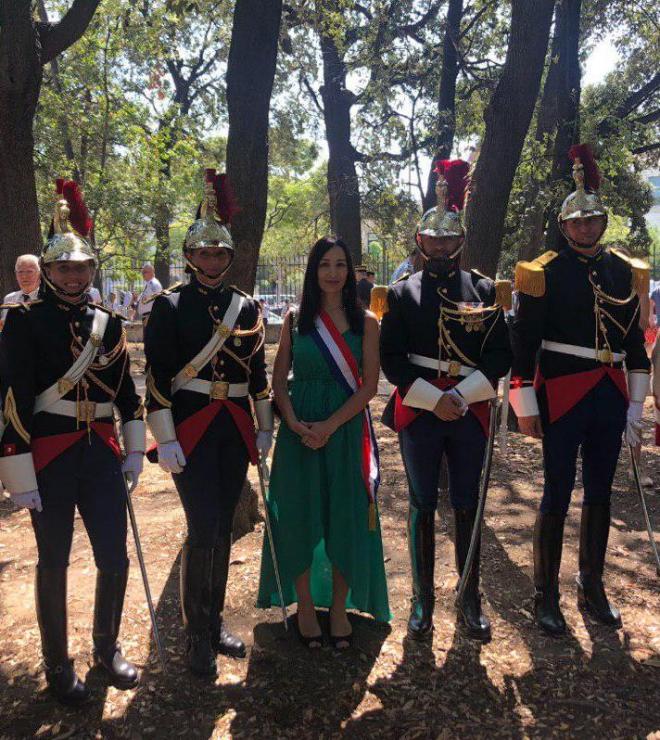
198 270
64 293
577 245
450 257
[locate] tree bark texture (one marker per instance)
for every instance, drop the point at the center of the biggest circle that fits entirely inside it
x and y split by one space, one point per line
446 122
20 83
557 118
343 186
568 108
507 117
25 45
250 76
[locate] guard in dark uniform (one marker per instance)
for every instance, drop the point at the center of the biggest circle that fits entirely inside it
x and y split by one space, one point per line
205 353
576 327
444 344
65 370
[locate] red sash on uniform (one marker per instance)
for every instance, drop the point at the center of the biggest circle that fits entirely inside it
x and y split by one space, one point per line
46 449
192 429
565 391
404 415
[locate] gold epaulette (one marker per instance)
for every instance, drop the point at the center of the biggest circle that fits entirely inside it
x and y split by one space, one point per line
167 291
641 272
105 309
240 292
503 294
530 276
480 275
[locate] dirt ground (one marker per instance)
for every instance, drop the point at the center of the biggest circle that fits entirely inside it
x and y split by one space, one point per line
593 683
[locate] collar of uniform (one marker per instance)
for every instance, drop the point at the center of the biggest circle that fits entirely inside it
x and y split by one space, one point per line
51 296
586 259
206 289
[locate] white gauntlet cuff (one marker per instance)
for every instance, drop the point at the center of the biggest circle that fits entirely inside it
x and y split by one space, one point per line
161 425
423 395
263 410
17 473
135 436
523 401
476 387
638 386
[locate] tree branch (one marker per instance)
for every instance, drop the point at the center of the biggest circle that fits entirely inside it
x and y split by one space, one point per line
57 37
648 118
646 148
634 100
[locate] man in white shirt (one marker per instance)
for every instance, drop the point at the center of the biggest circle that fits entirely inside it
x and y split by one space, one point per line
152 286
28 277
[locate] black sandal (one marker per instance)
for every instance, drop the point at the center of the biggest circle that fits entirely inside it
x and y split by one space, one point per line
311 643
341 642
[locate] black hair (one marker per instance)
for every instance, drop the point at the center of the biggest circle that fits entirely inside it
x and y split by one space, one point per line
310 303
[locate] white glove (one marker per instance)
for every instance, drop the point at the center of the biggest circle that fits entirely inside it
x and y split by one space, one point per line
27 500
633 433
132 467
463 403
170 457
264 442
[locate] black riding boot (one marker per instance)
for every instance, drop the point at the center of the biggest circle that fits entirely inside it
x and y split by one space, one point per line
108 606
594 532
196 567
222 641
476 623
548 541
50 593
421 546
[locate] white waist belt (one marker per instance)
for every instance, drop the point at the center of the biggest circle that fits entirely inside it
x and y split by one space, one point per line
589 353
216 389
82 410
453 368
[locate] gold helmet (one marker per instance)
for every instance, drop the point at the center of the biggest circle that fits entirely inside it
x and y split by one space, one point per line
445 219
211 225
69 228
584 201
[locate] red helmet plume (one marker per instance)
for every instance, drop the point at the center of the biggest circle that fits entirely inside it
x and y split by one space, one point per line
456 173
591 172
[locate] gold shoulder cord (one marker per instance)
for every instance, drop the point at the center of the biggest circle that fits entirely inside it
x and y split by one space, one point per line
600 298
153 391
11 415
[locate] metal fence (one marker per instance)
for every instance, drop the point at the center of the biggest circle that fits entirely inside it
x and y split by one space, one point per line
278 279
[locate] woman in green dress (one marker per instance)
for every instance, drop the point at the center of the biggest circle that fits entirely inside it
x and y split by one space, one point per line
327 536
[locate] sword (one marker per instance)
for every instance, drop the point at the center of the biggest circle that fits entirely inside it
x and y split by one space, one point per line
481 505
143 570
262 469
504 414
640 491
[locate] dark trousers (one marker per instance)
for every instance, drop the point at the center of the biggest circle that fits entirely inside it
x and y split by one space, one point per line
88 476
211 482
423 443
593 427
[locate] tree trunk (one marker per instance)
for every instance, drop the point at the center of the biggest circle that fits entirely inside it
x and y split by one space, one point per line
507 120
250 75
247 512
343 187
568 107
24 47
20 84
446 123
162 259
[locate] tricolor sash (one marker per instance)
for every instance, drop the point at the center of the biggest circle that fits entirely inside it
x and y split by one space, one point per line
344 368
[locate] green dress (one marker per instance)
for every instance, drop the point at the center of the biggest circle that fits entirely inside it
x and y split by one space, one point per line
318 501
